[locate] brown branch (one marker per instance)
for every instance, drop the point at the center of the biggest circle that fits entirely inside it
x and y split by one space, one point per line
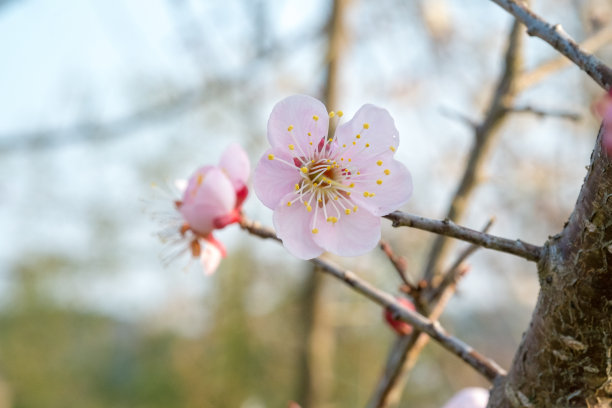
406 350
537 74
450 229
560 40
484 365
484 135
398 262
573 116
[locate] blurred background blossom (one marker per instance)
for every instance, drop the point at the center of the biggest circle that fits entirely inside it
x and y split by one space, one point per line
100 99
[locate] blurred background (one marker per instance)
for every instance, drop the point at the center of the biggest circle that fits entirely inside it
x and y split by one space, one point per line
101 99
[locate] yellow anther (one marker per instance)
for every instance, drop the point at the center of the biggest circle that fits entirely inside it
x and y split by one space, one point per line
379 162
358 173
352 185
354 143
379 182
319 200
314 230
288 203
344 145
297 187
304 169
366 125
347 211
309 208
312 161
348 193
290 128
392 148
332 114
355 208
358 136
315 184
333 220
270 157
291 147
342 159
336 198
367 145
372 194
387 172
200 179
309 134
315 117
366 194
310 143
329 140
329 160
340 113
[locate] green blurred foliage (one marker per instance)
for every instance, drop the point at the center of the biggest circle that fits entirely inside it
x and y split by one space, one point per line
54 354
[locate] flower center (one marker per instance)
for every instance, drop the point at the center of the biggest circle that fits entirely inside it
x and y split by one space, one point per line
325 186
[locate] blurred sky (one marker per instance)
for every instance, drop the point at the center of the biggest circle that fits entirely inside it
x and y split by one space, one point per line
66 62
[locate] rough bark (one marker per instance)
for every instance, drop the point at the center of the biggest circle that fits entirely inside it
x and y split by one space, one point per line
565 357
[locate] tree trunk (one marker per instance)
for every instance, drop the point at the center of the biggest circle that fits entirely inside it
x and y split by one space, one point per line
565 357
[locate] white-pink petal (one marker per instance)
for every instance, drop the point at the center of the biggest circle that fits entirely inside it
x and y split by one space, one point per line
235 162
210 258
375 128
293 118
353 234
394 191
473 397
293 227
275 178
209 195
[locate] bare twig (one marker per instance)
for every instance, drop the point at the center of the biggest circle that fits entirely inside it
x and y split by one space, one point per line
450 229
455 271
485 366
483 139
560 40
398 262
406 349
537 74
573 116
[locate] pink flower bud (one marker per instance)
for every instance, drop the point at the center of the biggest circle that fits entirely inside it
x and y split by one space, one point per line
211 200
401 327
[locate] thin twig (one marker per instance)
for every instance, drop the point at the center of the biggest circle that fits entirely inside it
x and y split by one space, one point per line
556 36
406 349
484 365
573 116
398 262
456 270
537 74
450 229
484 136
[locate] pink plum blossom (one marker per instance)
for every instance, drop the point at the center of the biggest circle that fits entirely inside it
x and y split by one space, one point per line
473 397
401 327
212 199
328 193
603 108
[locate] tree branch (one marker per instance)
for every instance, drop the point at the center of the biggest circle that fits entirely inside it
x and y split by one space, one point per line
537 74
484 365
450 229
484 135
560 40
406 350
